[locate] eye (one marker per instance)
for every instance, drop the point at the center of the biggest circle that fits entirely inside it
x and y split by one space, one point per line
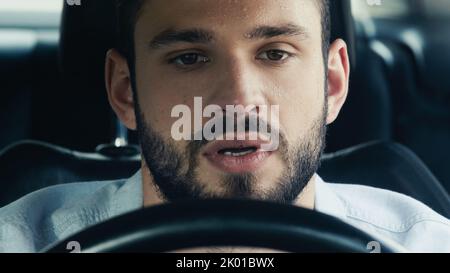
274 55
189 59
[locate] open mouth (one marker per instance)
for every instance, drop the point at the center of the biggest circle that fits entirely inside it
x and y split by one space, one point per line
236 156
236 152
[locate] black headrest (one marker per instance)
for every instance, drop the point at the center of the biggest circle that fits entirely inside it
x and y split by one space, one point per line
84 114
87 32
29 166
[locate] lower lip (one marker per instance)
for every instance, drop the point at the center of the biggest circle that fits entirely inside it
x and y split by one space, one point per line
240 164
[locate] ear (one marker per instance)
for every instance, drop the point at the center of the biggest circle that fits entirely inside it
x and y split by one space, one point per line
338 78
118 86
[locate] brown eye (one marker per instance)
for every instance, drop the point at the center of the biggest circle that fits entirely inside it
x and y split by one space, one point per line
274 55
189 59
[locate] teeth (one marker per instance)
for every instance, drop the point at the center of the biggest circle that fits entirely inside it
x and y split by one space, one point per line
236 154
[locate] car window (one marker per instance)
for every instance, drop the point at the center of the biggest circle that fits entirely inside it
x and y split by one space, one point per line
399 9
437 8
30 13
382 8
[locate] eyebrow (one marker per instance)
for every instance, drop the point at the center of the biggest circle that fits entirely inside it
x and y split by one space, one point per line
202 36
172 36
267 32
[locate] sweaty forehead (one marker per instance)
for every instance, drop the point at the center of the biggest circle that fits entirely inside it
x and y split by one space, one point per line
158 15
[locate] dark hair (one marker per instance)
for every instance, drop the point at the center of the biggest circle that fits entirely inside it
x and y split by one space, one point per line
127 12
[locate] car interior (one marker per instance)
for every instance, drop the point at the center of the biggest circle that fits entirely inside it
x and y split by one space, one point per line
393 132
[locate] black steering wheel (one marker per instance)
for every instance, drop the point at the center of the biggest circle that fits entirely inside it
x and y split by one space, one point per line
208 223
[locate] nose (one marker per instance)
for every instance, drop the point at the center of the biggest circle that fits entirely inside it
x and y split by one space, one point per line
238 83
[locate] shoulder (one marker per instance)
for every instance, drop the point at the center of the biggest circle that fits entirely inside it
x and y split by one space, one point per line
394 215
38 218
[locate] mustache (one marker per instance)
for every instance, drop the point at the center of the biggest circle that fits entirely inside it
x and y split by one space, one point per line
195 145
245 125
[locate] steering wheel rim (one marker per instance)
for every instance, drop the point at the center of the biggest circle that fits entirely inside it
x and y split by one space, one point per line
214 223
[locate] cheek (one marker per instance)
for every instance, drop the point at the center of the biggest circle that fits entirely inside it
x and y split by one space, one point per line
301 100
158 95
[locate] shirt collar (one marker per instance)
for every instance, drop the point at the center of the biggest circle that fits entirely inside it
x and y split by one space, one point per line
129 197
326 201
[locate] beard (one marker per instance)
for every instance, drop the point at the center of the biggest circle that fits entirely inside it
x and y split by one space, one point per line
176 175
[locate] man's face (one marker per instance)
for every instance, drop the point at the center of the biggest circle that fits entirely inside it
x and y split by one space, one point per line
228 52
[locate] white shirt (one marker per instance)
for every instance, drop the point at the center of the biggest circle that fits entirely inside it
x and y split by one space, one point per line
396 220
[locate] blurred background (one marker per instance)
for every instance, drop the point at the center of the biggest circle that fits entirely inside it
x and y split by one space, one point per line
400 86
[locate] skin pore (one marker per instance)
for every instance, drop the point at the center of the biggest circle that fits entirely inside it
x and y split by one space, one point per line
246 52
